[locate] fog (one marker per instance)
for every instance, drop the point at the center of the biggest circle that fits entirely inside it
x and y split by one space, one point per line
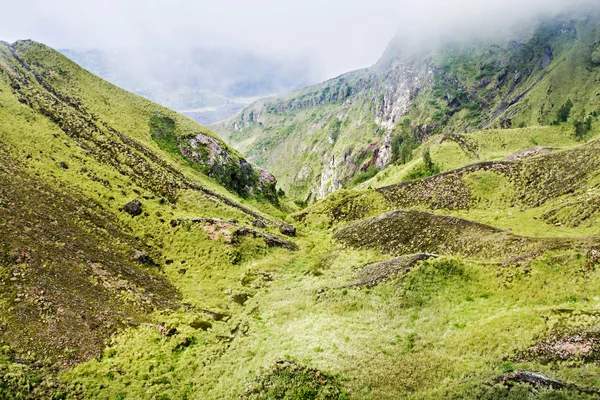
335 36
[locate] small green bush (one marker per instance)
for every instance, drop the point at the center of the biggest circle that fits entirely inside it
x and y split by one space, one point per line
563 113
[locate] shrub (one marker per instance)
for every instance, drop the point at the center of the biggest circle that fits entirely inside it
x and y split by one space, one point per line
563 113
582 127
366 175
596 56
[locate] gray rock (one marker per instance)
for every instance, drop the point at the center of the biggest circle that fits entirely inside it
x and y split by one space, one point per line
133 208
288 229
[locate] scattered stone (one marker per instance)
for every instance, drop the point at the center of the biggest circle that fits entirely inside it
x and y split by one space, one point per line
288 229
257 223
174 223
142 258
63 165
161 201
169 262
182 271
133 208
28 156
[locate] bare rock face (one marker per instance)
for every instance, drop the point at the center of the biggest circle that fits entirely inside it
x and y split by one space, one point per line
197 150
133 208
266 177
403 81
329 179
384 156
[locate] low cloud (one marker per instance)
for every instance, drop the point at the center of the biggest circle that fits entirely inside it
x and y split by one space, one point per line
335 35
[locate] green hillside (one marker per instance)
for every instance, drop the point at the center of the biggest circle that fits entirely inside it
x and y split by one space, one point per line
142 258
344 131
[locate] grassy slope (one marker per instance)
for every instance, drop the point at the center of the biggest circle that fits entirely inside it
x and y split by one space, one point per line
95 180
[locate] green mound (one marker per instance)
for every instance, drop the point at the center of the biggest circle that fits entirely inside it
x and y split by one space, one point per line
289 380
407 232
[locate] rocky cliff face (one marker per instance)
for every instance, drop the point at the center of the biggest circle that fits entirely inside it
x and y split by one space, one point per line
400 85
368 104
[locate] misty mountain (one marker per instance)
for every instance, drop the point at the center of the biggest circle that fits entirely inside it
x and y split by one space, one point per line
208 85
346 130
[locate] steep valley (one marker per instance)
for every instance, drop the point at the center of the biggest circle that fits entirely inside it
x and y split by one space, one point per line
142 257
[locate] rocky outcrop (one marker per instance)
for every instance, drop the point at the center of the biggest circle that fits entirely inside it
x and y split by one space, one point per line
399 86
374 274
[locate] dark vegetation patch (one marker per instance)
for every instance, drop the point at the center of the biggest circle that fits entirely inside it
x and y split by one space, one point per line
292 381
429 278
409 232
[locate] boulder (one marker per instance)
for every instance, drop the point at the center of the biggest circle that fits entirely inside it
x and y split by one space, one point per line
288 229
133 208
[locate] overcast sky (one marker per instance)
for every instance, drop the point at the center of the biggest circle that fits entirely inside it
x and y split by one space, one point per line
340 35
